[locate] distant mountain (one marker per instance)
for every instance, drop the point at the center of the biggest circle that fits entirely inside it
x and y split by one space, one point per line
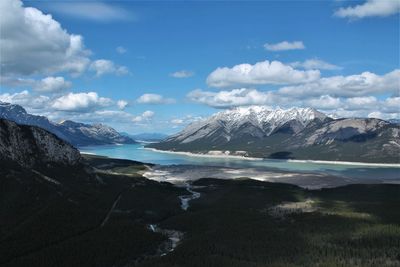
148 137
300 133
96 134
78 134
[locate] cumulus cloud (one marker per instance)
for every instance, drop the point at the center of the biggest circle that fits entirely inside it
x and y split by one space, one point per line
235 97
25 99
265 72
122 104
103 66
359 106
362 84
78 102
34 43
370 8
182 74
51 85
314 64
90 108
97 116
177 121
361 102
183 121
146 116
94 11
392 105
154 99
324 102
121 50
285 45
46 85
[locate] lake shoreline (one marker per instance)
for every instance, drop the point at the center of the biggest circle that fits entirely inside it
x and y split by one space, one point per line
190 154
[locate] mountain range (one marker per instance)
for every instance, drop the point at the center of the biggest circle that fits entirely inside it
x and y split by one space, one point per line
75 133
146 137
296 133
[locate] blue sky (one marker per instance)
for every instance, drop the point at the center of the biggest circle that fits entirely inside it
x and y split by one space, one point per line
341 57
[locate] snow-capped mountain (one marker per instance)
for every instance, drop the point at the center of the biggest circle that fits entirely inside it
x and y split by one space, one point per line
254 121
77 134
301 133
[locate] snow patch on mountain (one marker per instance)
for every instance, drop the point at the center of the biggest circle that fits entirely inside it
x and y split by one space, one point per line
258 121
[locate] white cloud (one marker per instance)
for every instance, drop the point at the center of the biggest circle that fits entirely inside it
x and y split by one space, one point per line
235 97
361 102
182 122
154 99
265 72
122 104
285 45
78 102
323 102
177 121
146 116
359 106
182 74
98 116
103 66
314 64
393 102
95 11
34 43
362 84
392 105
121 50
370 8
46 85
51 85
25 99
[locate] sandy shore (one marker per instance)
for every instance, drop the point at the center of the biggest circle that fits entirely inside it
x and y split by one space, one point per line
182 174
190 154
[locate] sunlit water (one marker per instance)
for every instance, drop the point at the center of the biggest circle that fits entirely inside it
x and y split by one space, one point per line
138 153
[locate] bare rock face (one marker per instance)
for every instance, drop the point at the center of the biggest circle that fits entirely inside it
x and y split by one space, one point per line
30 146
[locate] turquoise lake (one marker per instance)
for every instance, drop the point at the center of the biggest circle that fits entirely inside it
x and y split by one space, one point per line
138 153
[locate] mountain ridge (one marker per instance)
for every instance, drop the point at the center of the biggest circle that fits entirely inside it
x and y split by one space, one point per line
296 133
76 133
31 146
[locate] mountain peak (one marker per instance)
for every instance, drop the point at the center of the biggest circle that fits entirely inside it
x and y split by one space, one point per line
76 133
299 133
252 121
262 115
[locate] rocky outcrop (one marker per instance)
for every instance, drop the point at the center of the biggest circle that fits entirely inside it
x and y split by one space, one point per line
31 146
